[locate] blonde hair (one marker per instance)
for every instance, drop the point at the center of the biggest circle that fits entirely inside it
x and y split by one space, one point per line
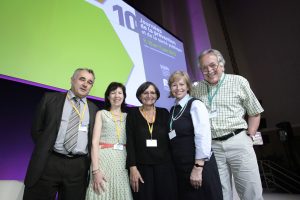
178 75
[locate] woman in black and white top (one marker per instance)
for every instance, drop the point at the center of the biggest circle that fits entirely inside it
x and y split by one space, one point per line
190 135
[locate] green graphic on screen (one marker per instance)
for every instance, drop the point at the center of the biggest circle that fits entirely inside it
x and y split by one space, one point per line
45 41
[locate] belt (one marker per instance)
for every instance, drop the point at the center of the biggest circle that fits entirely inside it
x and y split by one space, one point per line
68 156
229 135
106 145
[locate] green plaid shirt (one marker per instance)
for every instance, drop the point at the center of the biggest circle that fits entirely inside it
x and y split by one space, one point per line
231 102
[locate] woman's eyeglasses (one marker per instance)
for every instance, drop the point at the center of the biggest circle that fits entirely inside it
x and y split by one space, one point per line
149 93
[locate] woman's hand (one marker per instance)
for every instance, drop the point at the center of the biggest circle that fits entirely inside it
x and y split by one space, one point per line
135 177
196 177
98 182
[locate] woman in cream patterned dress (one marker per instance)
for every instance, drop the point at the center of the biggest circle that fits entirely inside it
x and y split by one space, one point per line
109 177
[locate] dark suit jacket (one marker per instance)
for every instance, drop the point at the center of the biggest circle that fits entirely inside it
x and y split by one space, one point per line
44 132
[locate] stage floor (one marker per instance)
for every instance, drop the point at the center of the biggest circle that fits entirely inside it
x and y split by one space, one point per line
13 190
276 196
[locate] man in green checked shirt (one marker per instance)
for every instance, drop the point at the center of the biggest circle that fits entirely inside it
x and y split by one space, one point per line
228 98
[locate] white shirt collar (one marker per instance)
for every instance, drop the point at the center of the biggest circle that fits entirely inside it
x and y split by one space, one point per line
72 95
184 100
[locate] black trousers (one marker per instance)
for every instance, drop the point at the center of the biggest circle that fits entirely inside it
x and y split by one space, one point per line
160 182
211 188
62 175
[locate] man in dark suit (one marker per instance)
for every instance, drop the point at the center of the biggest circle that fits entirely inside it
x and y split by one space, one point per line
62 131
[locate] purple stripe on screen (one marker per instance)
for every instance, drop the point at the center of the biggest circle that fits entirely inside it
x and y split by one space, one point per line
42 85
199 29
18 109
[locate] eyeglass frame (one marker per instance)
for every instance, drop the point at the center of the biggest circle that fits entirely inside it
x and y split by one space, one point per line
149 93
204 69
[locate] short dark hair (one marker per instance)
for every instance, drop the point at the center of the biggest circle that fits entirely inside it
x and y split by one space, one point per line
111 87
144 87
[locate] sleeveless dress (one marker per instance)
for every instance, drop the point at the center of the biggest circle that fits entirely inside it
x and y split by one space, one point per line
112 163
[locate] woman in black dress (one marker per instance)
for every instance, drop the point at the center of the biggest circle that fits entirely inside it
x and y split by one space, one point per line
195 164
152 175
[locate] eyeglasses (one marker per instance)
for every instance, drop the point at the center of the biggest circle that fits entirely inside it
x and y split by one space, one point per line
149 93
213 66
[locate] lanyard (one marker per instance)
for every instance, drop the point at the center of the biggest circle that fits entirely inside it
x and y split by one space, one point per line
209 96
118 126
150 126
77 111
178 114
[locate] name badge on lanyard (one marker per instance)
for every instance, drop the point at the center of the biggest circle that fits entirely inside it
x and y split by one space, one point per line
119 147
83 128
172 134
213 113
151 143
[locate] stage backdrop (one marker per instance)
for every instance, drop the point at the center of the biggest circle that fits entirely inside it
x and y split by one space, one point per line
42 42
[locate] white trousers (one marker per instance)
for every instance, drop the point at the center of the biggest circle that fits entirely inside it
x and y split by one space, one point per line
236 157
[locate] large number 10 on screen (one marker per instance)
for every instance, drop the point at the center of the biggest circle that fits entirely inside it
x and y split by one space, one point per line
130 18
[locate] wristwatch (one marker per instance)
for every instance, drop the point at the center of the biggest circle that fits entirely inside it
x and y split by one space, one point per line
197 165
